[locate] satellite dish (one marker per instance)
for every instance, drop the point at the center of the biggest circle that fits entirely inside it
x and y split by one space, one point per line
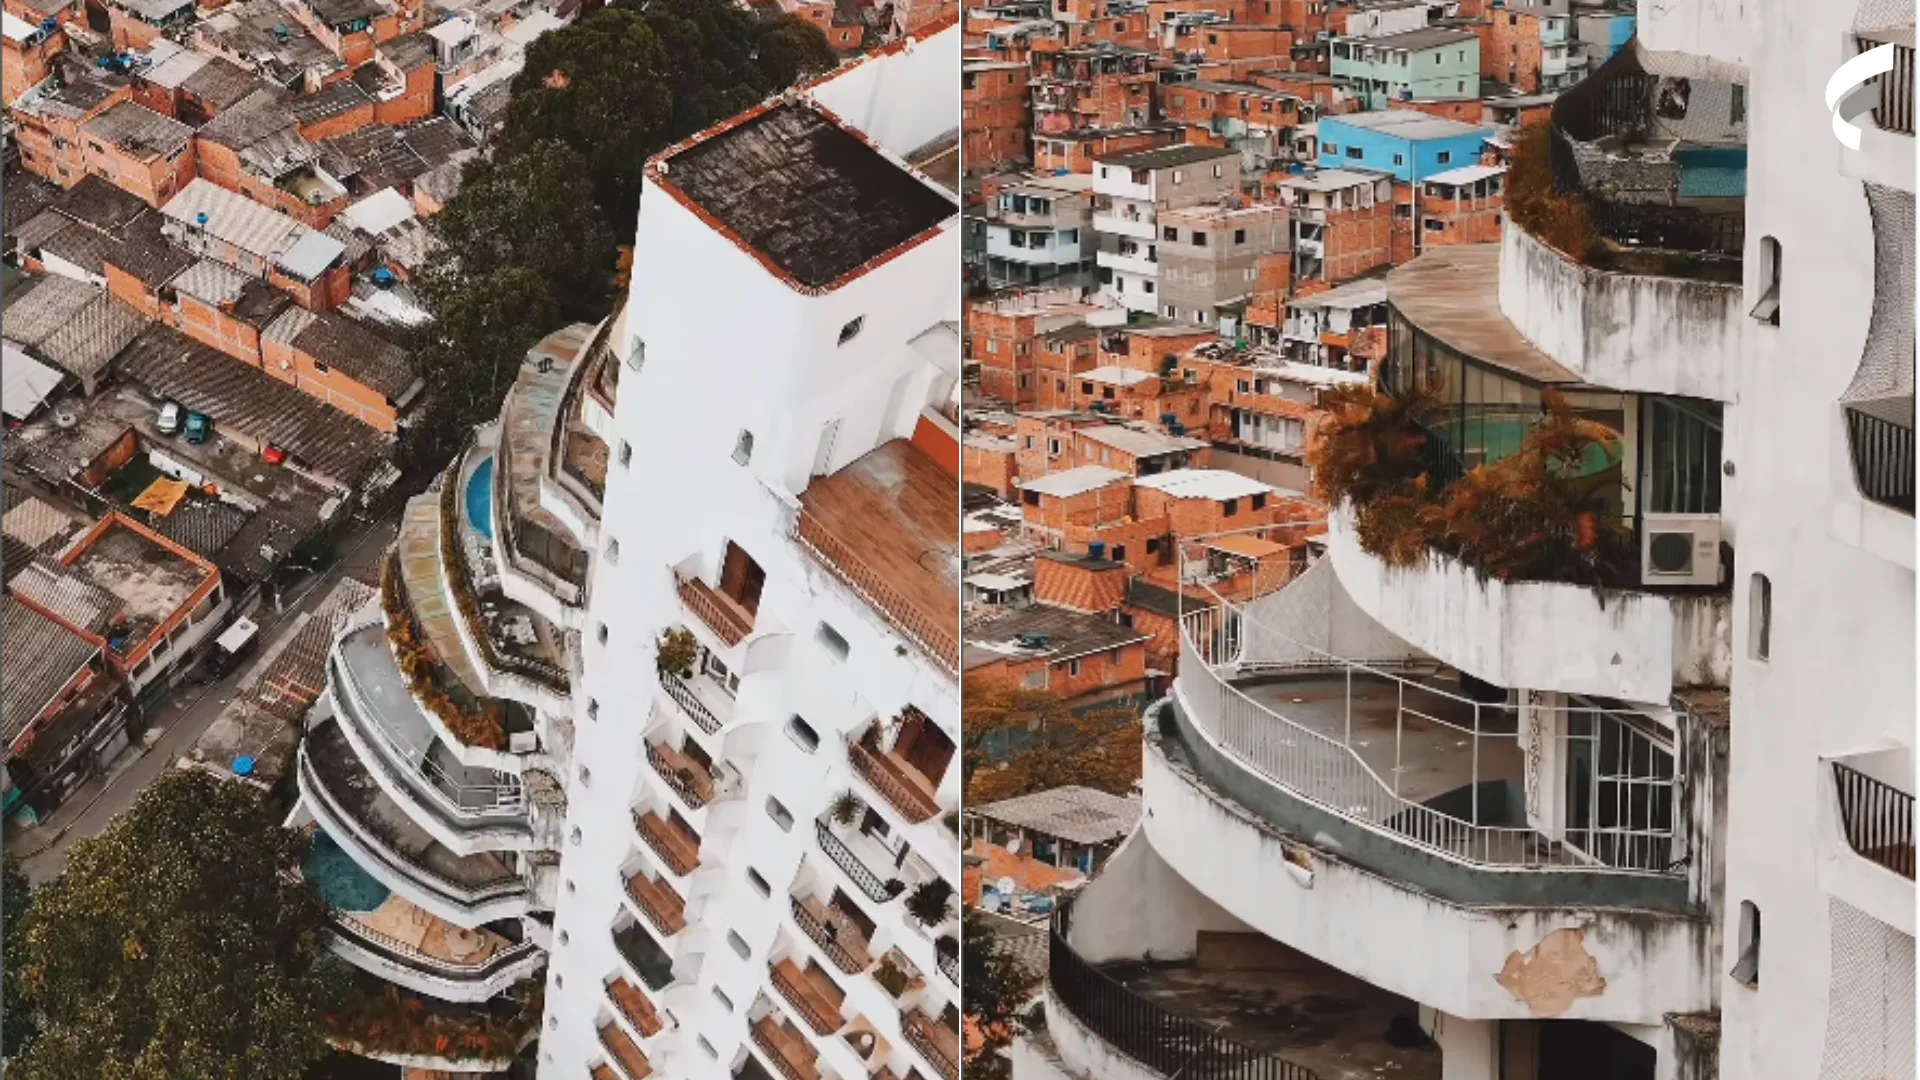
1005 885
65 419
1013 846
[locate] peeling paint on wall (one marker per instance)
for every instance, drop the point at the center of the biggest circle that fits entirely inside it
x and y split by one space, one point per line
1553 974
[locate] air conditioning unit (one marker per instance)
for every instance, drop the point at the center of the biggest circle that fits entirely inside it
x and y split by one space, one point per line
1680 549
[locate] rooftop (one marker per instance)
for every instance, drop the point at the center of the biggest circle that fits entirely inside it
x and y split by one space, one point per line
152 579
809 198
98 202
1465 175
139 130
1067 634
42 658
258 230
1118 376
1141 440
70 323
1076 481
1453 294
1167 157
1405 124
1081 815
1426 37
1206 484
1334 179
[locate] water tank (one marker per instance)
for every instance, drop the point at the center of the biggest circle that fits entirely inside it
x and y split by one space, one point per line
243 766
1097 549
200 219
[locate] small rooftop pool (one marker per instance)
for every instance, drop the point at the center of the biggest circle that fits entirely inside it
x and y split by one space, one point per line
340 879
479 497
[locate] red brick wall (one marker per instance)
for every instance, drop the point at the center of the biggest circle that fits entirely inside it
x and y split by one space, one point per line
989 468
208 324
1097 507
1510 50
1464 111
1464 219
993 114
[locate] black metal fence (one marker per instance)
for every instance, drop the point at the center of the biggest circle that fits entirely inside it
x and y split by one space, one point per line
1894 108
857 872
1170 1045
1883 460
1878 819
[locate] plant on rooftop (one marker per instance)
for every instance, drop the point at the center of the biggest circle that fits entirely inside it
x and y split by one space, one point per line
1533 203
931 903
383 1018
180 942
677 652
482 725
469 604
844 809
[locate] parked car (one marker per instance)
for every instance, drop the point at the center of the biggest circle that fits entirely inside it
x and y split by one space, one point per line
171 417
235 644
199 427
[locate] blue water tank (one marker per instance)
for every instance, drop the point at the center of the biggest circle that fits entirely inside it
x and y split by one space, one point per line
1097 549
383 277
243 766
200 219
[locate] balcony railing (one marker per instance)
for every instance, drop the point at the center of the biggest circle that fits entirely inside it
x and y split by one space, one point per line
948 962
768 1036
807 1001
1878 819
883 775
660 837
399 952
1164 1043
1883 459
926 1035
633 1064
689 702
938 640
659 903
729 623
1893 110
868 882
666 762
850 958
636 1007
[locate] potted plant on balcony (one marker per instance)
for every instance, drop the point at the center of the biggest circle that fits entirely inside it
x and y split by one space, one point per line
931 903
844 809
891 978
677 653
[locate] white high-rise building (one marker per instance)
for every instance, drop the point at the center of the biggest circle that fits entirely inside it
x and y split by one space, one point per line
662 692
1424 822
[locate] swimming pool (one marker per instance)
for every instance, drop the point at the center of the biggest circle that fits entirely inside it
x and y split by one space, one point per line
480 499
339 878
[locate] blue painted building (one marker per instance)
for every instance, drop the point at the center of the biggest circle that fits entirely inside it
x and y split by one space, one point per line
1405 143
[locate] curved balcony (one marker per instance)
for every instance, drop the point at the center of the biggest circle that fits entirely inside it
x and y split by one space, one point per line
1885 155
626 1055
699 699
873 884
385 841
902 785
384 1023
468 810
664 909
634 1008
811 992
575 482
837 937
934 1041
645 958
487 975
785 1048
672 841
695 782
540 566
1634 646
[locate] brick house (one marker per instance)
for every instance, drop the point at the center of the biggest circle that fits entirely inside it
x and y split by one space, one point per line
229 228
138 151
1083 659
28 49
1342 225
1462 206
1075 151
993 113
1087 495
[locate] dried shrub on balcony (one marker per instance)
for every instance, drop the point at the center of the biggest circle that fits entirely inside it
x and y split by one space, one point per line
931 903
483 726
389 1020
891 977
844 809
1562 222
469 604
677 653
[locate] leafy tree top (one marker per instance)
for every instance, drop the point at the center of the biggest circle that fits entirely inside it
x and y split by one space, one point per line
1019 741
180 945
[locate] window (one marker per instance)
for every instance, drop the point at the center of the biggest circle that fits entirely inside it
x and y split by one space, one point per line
1443 156
725 1001
738 944
1035 679
1737 107
1331 148
1355 152
320 368
803 735
708 1047
1259 501
613 549
626 453
574 836
1146 286
1219 171
1073 668
1199 239
1169 233
1759 617
1768 309
1747 970
586 776
600 633
833 641
1399 159
1179 176
743 447
593 708
759 883
779 814
852 329
1229 507
1239 236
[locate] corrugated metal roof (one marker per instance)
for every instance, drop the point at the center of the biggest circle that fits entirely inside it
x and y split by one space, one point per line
311 254
216 283
94 336
1081 815
42 658
31 316
237 220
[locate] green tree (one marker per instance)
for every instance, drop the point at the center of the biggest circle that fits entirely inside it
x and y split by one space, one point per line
16 1012
178 946
1019 741
994 987
472 354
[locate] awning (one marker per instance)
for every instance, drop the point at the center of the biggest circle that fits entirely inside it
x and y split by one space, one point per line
1251 547
25 383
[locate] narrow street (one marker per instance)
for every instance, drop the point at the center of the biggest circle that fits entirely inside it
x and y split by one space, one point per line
176 724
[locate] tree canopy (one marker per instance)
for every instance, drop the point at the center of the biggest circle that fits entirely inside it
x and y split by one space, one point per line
178 946
16 1014
1018 741
561 188
993 988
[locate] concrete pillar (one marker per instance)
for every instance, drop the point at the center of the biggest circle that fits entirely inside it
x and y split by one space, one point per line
1469 1049
1543 731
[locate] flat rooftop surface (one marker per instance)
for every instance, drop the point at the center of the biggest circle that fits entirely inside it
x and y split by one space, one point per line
899 513
808 196
1307 1013
1453 294
152 580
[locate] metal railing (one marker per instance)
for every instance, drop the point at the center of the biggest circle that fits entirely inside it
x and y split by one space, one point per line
914 1024
656 838
1883 459
800 997
399 952
632 1062
949 965
763 1038
563 421
631 1003
659 910
729 625
689 702
828 940
467 602
1894 108
554 559
1877 818
686 791
941 643
1625 835
914 805
1167 1044
862 877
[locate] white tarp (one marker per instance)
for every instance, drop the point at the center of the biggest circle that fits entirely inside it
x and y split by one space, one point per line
25 383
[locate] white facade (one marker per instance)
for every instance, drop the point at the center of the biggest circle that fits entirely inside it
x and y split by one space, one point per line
742 392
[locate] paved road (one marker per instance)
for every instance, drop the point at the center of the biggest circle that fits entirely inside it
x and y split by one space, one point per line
178 723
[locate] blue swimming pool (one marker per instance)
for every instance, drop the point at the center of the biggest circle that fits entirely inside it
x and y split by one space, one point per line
480 499
339 878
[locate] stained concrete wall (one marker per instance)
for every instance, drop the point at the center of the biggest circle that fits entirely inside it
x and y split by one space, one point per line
1139 909
1655 335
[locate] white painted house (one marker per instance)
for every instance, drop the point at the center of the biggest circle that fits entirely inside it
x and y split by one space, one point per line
1474 829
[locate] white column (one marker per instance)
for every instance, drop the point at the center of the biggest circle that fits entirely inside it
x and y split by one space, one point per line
1543 729
1469 1049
